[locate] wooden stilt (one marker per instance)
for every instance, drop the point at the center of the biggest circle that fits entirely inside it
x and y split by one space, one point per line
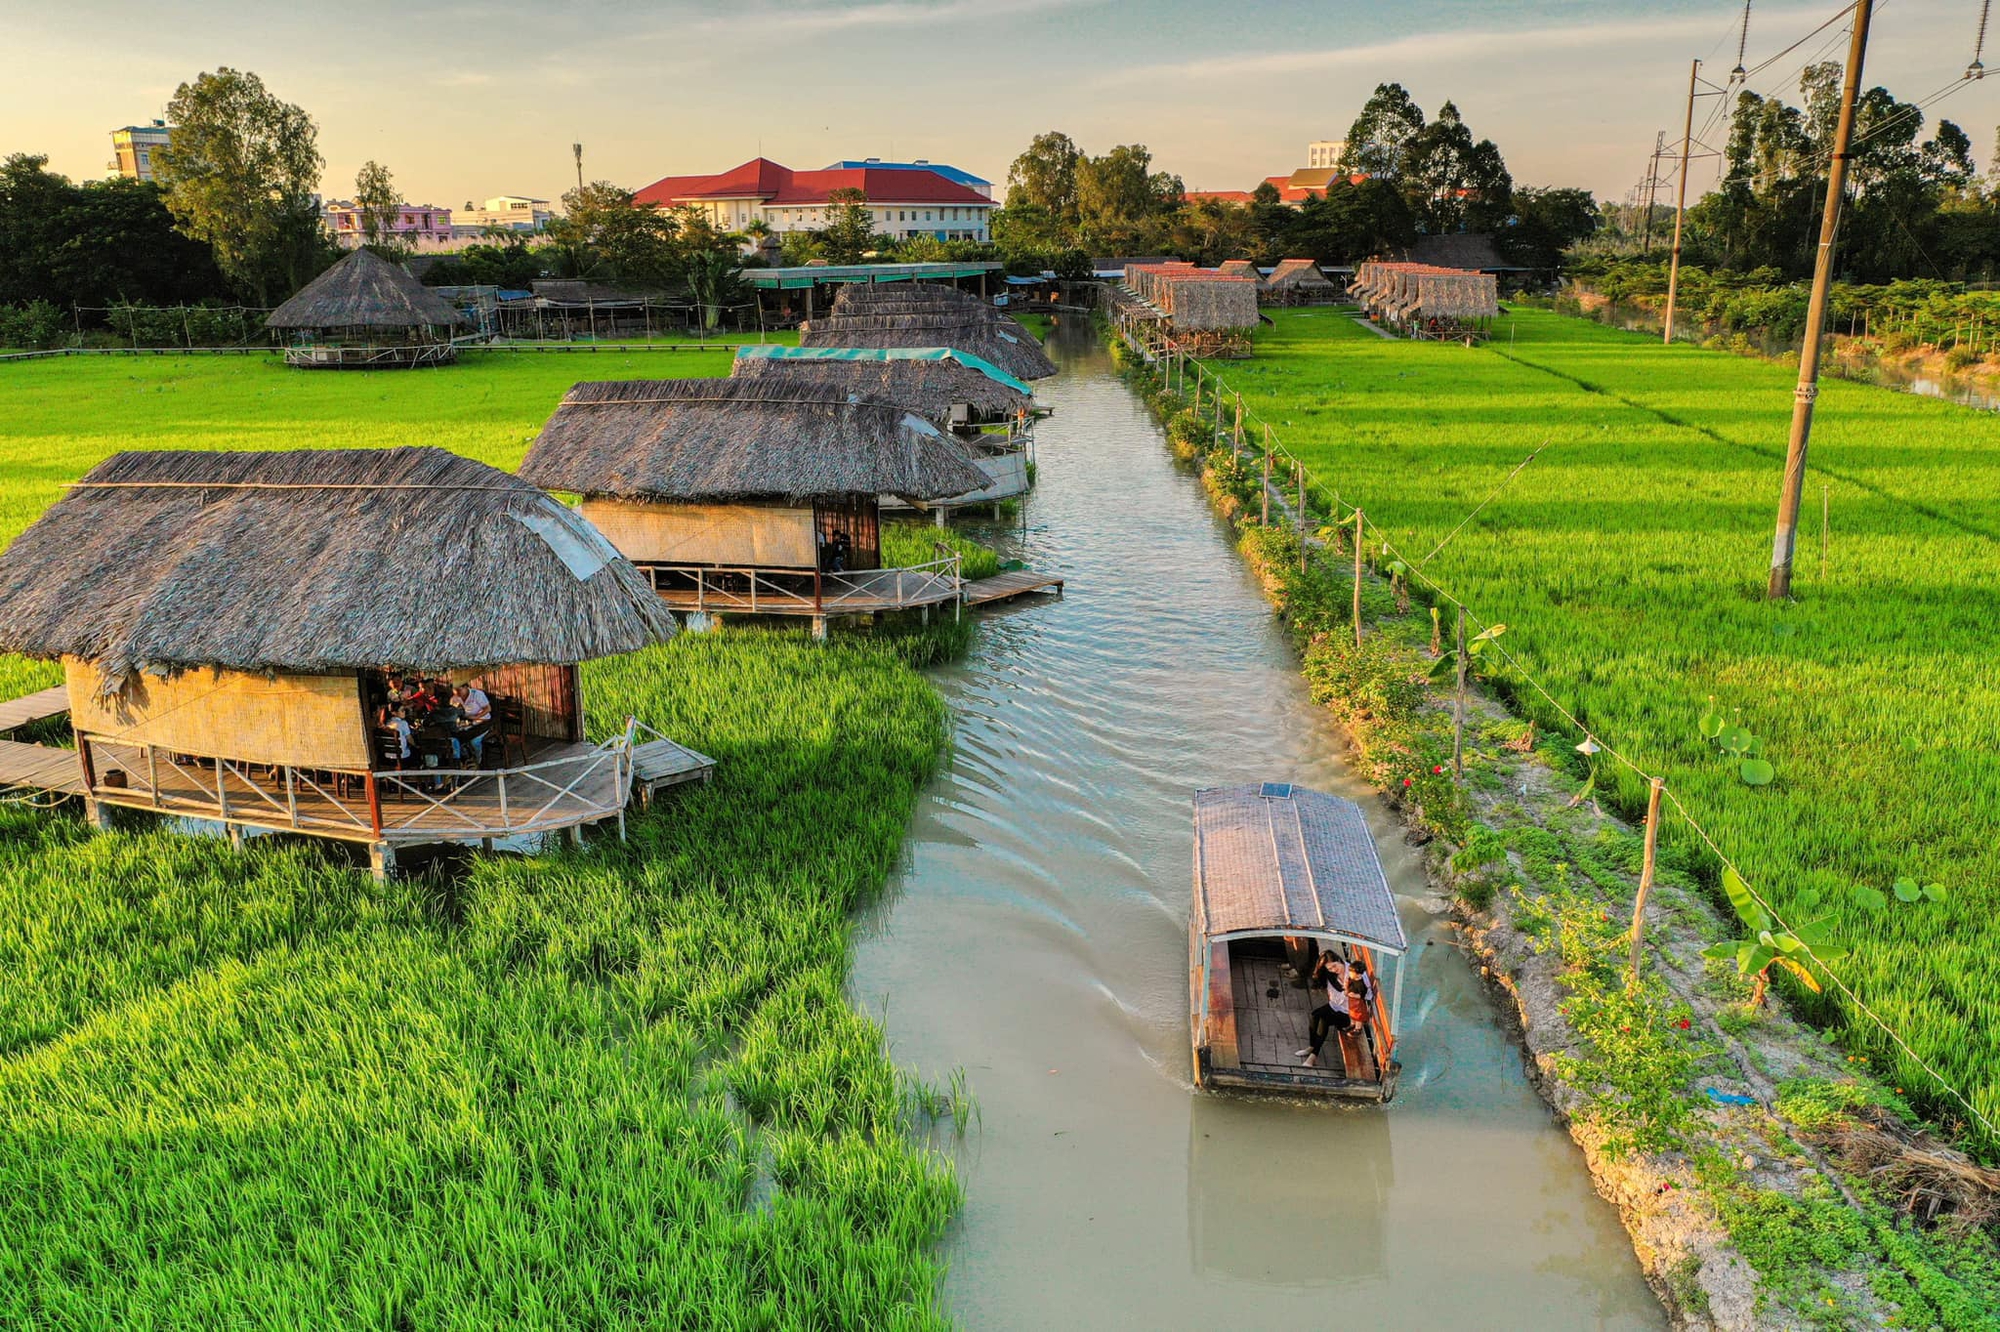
1645 874
381 860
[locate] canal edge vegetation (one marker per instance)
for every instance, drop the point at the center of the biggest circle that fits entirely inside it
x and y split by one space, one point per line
638 1052
1732 1139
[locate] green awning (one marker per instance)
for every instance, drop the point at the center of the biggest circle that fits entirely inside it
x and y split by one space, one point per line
967 359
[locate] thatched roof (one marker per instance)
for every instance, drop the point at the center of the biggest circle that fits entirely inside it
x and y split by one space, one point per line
1242 268
876 297
364 290
1402 290
1299 276
317 560
718 440
1204 302
1003 341
929 388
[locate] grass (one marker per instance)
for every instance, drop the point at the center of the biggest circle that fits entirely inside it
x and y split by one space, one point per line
616 1087
1629 563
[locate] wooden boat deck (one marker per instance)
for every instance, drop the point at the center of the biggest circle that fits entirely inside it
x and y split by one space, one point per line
1007 586
42 767
1269 1031
18 712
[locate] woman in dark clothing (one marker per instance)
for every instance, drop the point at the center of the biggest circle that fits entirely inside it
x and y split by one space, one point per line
1329 973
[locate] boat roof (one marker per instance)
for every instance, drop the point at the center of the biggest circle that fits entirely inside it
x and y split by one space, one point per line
1281 859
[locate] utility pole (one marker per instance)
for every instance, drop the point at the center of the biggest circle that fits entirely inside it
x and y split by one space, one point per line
1652 191
1681 203
1808 390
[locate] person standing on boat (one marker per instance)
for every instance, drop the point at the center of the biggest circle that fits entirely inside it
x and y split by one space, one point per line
1330 972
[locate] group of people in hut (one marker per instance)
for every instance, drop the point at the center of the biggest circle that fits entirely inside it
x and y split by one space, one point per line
418 721
1348 989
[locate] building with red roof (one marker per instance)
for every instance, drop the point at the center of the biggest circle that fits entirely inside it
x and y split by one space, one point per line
914 200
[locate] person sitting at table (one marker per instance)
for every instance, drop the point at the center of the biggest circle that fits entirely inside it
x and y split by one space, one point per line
399 727
478 710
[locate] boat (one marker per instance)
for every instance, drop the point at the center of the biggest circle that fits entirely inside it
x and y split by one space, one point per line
1283 874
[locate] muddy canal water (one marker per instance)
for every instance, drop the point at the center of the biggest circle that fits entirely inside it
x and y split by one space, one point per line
1037 937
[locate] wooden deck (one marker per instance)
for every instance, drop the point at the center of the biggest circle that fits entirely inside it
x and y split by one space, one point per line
18 712
42 767
1007 586
1270 1031
658 764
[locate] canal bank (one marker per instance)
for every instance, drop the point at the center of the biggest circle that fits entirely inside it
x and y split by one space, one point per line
1037 938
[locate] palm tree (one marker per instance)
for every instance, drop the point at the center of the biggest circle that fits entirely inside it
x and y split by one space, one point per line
715 280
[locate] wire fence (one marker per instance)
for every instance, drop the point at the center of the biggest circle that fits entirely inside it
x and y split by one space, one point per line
1160 351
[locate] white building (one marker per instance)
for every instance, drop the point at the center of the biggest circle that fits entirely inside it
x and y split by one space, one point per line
512 212
133 146
903 201
1325 152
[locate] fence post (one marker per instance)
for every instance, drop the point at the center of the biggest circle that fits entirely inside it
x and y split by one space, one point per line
1358 521
1301 515
1645 874
1458 707
1267 476
1236 445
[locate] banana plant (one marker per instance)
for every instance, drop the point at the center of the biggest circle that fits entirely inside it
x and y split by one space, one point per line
1475 647
1766 945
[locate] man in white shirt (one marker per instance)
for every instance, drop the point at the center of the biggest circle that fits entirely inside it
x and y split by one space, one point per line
477 710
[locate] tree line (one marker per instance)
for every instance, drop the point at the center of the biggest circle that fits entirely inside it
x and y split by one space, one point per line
1404 175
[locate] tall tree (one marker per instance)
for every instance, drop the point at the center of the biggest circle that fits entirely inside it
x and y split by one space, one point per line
1045 176
379 204
1119 193
603 235
1452 182
95 244
240 170
1379 136
850 228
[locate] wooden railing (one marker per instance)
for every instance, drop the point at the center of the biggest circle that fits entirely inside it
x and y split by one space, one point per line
450 803
759 591
430 353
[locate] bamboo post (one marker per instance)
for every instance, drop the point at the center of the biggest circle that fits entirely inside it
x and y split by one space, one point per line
1236 449
1300 468
1267 476
1358 527
1458 707
1645 874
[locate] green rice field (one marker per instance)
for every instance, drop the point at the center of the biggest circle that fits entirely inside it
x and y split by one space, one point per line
1629 564
617 1087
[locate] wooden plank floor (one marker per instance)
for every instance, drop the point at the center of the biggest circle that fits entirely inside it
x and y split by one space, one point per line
856 603
1269 1031
664 763
18 712
1007 586
43 767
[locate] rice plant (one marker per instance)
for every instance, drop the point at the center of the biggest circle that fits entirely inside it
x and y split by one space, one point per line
1628 562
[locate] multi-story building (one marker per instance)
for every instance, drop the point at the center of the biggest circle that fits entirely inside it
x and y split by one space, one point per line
132 149
1325 152
953 174
902 200
420 226
511 212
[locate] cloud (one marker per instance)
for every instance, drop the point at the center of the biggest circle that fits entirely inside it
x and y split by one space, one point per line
1489 46
792 19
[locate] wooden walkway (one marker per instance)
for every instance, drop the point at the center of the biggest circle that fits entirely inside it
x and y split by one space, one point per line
1007 586
18 712
43 767
657 764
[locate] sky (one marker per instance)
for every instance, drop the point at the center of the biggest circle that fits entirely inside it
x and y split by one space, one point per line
464 101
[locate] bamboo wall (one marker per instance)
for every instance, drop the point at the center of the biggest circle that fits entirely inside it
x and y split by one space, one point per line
308 721
763 536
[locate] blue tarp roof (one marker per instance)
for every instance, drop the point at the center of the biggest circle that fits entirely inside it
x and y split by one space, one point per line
967 359
950 173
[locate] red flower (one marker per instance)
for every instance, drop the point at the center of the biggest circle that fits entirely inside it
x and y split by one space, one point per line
1439 769
1408 780
1685 1024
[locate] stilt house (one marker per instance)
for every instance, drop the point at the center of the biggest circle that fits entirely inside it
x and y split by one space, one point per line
366 313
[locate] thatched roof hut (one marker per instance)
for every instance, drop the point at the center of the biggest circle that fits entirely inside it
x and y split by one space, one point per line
1242 268
316 560
1405 292
1003 341
742 439
1205 302
930 387
364 291
1299 282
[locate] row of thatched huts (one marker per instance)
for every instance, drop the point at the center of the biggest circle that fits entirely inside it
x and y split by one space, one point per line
1209 313
1427 301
